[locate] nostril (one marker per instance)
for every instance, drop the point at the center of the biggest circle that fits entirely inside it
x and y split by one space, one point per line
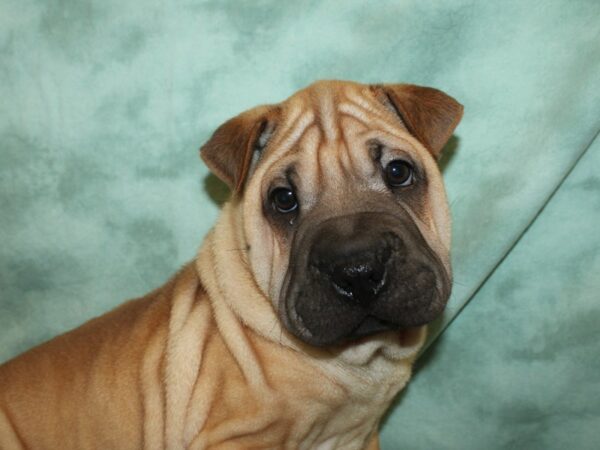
354 268
361 281
378 280
342 288
377 276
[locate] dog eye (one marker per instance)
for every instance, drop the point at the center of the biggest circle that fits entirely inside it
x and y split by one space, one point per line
399 173
284 200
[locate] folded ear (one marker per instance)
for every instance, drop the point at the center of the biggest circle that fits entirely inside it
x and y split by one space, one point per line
427 113
230 150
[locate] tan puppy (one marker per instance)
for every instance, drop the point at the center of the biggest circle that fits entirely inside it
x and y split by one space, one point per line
298 322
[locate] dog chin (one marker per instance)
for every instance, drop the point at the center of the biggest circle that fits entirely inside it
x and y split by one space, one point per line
392 345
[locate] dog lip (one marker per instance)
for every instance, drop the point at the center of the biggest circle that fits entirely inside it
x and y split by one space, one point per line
409 336
371 325
368 328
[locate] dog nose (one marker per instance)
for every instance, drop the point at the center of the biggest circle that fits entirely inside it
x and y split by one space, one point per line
360 280
353 265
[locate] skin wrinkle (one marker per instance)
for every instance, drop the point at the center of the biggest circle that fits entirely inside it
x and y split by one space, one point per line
371 106
234 337
357 113
240 427
317 186
291 119
318 173
201 402
326 115
355 168
202 310
295 134
309 180
181 337
271 274
153 404
345 158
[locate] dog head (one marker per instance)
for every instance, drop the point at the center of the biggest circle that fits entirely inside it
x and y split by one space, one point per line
342 207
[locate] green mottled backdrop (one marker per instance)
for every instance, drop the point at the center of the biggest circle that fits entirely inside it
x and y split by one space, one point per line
103 105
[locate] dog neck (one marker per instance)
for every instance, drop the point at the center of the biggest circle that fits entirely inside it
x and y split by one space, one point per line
222 267
362 378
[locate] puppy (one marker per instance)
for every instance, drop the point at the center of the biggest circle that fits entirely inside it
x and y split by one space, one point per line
299 320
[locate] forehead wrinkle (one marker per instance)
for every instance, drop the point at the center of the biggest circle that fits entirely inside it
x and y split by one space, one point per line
357 153
345 144
293 161
403 142
319 168
292 112
357 130
327 115
331 165
293 135
372 108
358 113
309 169
346 150
391 139
370 105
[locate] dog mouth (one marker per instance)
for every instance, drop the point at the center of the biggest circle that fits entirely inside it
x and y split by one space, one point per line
404 337
347 288
338 323
371 325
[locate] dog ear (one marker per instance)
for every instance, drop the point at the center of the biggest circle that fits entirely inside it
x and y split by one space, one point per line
230 150
428 114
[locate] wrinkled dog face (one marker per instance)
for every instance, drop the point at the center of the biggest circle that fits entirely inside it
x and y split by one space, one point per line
342 204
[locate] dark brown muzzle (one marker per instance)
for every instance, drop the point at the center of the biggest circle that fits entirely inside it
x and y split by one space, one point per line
360 274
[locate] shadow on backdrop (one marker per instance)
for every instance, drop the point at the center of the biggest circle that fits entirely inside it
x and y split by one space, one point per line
217 191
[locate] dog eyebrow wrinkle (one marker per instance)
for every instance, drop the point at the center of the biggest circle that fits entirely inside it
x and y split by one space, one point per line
293 134
291 175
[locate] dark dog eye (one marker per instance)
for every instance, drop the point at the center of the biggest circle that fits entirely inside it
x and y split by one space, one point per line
399 173
284 200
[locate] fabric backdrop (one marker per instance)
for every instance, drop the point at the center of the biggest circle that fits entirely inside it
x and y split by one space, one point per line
104 105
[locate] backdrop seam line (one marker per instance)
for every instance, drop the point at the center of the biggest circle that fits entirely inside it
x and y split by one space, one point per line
516 241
